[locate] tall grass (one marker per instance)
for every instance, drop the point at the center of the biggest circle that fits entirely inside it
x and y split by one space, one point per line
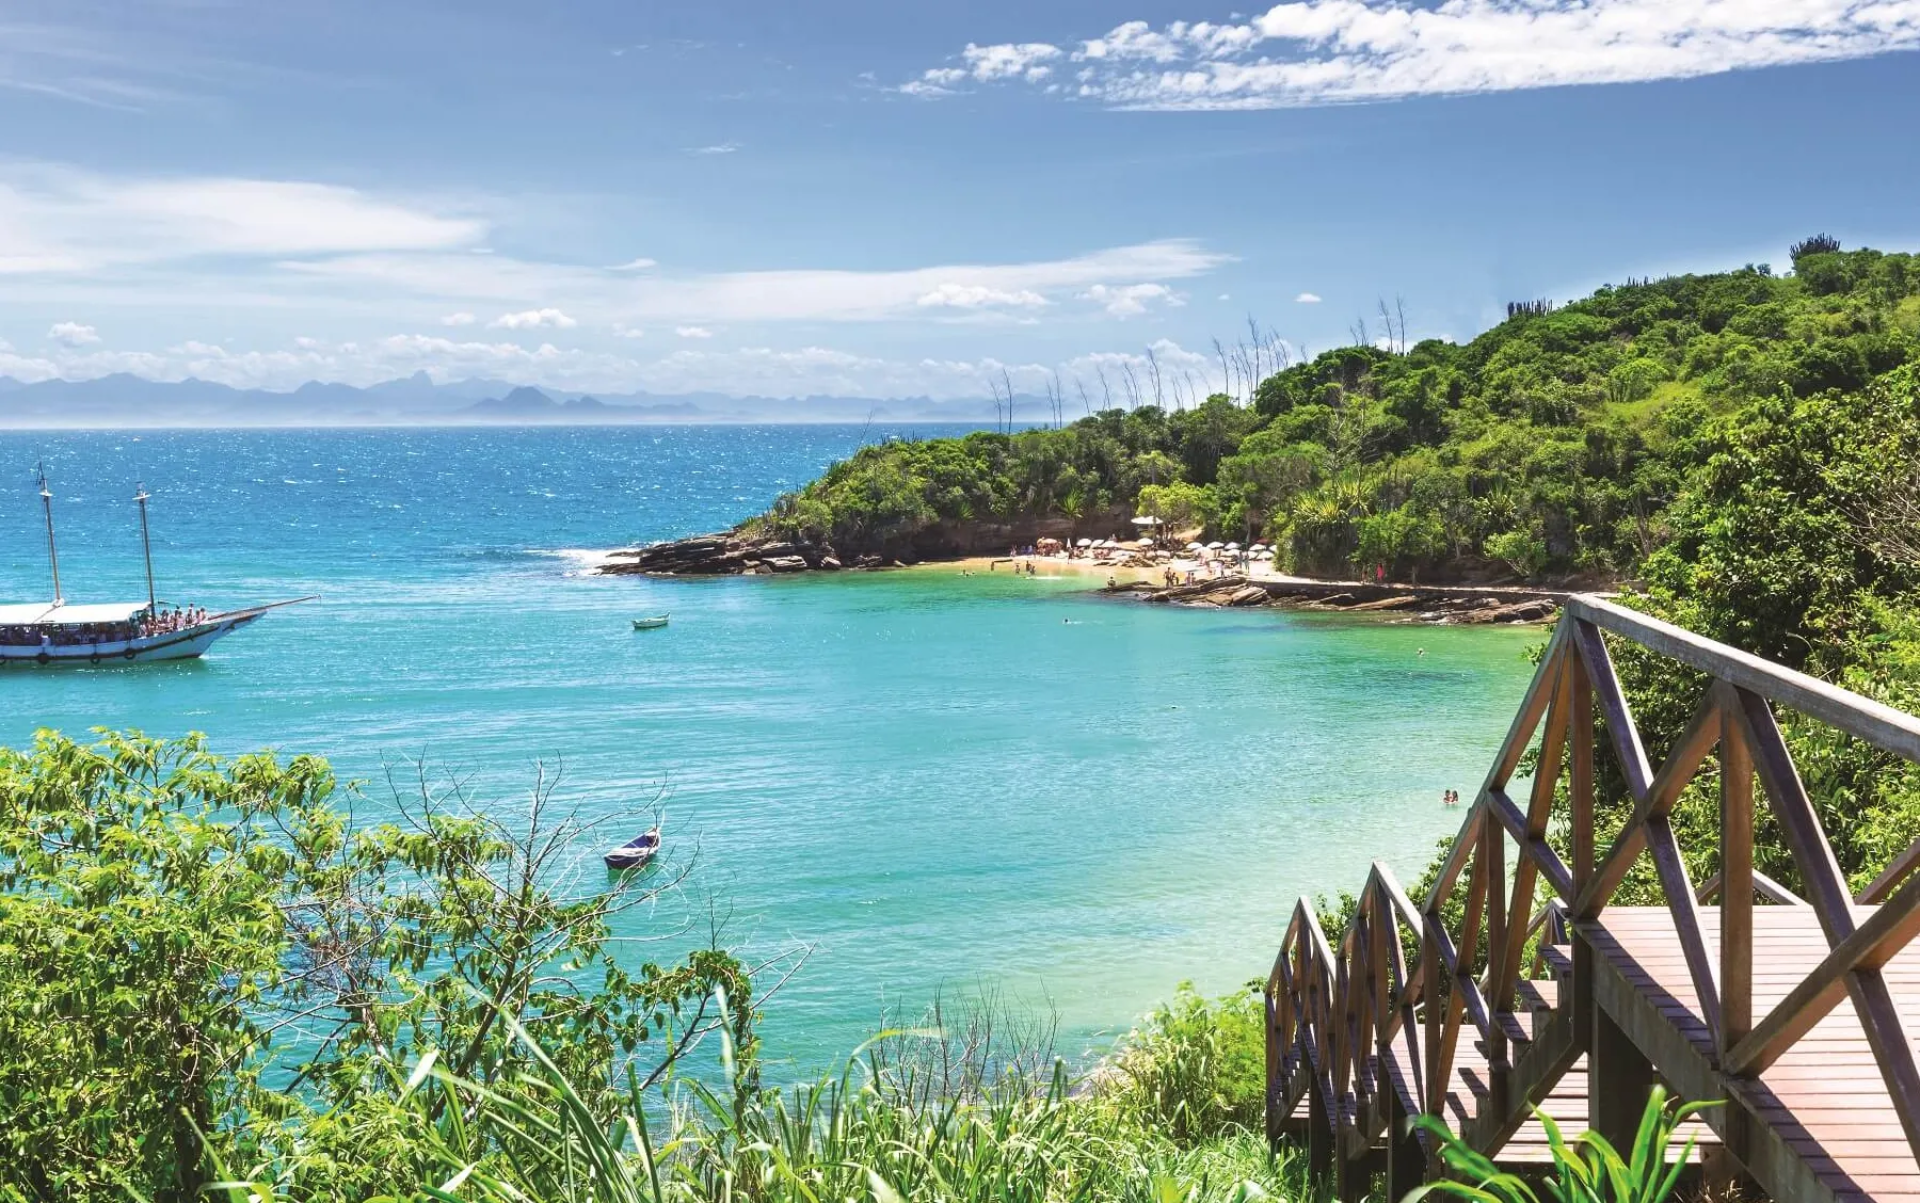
1157 1129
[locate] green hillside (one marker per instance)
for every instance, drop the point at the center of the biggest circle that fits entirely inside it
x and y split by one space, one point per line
1549 447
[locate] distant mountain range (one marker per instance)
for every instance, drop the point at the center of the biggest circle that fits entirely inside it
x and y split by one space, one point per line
131 401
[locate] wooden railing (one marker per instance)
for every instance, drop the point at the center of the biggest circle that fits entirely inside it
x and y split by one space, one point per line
1351 1017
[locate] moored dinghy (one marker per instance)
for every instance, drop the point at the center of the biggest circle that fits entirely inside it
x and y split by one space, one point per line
636 851
649 624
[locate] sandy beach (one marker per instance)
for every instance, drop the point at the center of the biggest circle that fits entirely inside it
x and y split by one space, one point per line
1057 566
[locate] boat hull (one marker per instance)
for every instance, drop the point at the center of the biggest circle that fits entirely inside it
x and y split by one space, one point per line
185 644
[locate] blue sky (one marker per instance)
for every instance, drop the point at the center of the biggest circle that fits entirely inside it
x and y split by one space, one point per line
876 199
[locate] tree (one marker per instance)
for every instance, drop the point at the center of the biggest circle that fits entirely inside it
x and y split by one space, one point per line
173 925
1180 506
1523 549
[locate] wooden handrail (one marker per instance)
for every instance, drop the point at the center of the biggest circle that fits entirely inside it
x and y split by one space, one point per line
1340 1012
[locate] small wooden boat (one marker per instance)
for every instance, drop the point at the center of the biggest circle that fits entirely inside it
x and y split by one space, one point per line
649 624
635 852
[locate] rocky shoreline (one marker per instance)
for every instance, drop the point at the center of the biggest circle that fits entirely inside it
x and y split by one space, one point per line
730 553
1465 605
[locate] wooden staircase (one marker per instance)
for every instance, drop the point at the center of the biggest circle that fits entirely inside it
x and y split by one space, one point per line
1487 1006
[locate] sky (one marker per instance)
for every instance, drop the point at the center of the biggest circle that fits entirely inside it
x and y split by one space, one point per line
864 198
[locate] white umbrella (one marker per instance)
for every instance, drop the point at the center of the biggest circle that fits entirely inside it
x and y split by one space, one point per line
1216 545
1258 547
1086 543
1195 546
1145 520
1233 547
1143 543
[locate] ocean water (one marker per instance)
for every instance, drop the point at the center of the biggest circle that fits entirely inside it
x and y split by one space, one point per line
929 782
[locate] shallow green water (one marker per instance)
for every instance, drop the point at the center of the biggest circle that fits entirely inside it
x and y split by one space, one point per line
934 781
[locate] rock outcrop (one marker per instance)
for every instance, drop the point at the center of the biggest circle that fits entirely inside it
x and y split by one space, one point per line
725 554
1437 605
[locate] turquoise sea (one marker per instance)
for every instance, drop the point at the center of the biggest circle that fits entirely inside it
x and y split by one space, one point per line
933 782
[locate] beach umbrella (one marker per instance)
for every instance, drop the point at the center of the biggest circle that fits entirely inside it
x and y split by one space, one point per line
1195 546
1086 543
1233 547
1216 545
1143 543
1146 520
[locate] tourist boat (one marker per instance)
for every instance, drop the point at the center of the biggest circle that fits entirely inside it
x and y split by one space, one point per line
635 852
650 624
41 633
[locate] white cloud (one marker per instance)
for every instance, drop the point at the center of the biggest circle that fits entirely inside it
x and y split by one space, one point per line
458 319
55 220
767 371
978 296
718 148
1131 300
748 296
693 332
1309 52
73 334
1029 61
533 319
635 265
1307 298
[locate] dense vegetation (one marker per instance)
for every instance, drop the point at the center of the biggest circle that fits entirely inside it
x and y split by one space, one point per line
1553 445
215 984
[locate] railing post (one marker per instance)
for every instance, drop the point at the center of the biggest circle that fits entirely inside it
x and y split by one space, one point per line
1736 911
1580 801
1430 1015
1273 1070
1619 1077
1406 1156
1498 1058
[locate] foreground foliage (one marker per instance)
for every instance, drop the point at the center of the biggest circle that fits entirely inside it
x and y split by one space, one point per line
215 982
1590 1170
205 957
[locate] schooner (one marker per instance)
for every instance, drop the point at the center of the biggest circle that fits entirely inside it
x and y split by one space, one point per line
60 632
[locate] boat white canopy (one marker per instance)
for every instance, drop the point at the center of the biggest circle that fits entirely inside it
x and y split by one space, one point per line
30 614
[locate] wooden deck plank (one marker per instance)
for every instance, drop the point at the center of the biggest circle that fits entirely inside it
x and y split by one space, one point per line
1825 1096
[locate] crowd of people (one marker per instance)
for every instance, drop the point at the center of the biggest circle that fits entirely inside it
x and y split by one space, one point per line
144 624
165 622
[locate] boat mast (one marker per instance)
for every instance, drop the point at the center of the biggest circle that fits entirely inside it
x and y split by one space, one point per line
146 545
53 555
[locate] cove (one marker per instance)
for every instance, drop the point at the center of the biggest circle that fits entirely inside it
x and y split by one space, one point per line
933 781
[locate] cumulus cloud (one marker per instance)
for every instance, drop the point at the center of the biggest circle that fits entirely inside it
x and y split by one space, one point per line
979 296
72 334
693 332
1131 300
458 319
1029 61
1309 52
1307 298
533 319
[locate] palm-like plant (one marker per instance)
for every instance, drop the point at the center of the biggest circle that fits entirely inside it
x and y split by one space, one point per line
1590 1170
